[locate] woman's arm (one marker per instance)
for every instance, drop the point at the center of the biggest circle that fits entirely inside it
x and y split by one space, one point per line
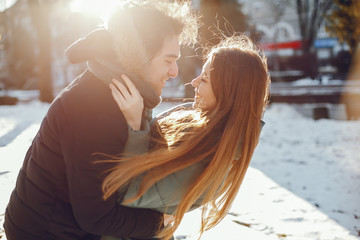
166 194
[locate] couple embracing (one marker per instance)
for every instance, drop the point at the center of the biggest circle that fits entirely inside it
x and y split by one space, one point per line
100 167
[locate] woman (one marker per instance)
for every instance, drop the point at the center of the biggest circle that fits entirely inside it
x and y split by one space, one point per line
203 151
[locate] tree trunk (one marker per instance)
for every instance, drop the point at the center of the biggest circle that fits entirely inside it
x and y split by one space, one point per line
223 15
40 18
310 18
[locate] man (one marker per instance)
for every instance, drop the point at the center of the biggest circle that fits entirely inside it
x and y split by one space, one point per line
58 194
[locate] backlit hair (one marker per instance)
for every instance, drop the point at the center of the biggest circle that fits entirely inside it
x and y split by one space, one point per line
139 29
240 81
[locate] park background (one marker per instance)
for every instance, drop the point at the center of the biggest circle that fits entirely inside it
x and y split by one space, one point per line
304 180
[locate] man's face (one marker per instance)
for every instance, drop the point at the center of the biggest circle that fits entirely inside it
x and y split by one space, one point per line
163 65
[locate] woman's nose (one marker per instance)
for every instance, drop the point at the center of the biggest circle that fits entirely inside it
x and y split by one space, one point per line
195 82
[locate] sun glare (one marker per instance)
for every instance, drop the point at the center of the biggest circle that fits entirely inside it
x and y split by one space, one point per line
97 8
5 4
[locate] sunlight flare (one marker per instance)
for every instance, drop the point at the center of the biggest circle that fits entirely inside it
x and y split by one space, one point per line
101 9
5 4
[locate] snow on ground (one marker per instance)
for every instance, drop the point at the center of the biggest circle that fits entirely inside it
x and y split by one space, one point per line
303 183
316 167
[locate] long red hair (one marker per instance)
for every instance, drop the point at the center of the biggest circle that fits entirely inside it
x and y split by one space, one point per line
240 82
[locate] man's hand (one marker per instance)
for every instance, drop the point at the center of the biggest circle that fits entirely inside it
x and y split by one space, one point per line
129 101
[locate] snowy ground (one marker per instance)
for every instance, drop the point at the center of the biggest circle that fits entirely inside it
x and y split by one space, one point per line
303 183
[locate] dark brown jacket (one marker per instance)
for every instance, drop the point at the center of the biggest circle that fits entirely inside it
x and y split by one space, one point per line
58 191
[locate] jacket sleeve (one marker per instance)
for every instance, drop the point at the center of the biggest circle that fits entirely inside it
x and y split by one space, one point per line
166 194
83 137
137 141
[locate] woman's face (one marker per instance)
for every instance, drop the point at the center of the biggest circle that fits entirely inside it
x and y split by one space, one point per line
204 94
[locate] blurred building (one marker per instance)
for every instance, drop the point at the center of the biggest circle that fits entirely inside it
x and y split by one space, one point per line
278 24
276 20
281 38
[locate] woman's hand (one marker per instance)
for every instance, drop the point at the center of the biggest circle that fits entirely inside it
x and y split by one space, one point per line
168 219
129 101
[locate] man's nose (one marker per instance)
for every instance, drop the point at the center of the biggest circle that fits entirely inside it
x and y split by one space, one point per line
173 70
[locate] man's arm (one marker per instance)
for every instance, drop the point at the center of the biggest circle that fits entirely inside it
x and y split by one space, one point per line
81 137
